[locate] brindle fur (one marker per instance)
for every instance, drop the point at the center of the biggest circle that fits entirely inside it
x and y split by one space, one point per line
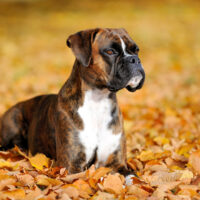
50 124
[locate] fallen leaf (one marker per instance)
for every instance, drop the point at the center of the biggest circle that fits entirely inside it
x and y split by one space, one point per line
17 149
100 172
146 155
194 161
16 194
137 191
44 180
7 164
39 161
25 179
186 176
161 140
71 191
113 183
71 177
103 196
84 188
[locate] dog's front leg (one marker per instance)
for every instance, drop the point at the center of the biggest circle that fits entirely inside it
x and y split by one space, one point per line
69 152
117 161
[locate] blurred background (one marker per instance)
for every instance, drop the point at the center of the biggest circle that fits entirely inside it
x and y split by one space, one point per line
35 60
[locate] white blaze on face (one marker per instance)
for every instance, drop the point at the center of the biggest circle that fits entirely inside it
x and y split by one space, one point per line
124 47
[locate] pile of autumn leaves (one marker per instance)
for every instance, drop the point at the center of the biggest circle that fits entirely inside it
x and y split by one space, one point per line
168 175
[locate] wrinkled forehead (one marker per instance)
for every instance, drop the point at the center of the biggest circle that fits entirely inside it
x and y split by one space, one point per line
107 36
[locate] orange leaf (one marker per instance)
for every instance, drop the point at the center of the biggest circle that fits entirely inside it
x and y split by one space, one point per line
102 171
113 184
17 194
84 188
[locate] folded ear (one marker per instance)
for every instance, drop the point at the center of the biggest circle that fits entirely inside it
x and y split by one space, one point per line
81 45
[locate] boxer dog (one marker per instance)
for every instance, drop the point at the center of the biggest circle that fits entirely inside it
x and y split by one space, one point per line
82 124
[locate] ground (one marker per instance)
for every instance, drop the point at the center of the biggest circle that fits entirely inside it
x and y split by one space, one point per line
162 120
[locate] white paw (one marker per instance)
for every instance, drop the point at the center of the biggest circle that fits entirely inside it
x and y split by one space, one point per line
129 180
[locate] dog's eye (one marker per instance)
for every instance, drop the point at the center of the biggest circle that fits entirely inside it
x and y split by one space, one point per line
110 51
134 49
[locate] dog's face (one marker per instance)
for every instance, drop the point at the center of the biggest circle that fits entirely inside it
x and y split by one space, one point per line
110 58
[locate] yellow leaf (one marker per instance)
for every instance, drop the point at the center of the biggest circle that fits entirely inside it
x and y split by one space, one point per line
5 176
161 140
44 180
8 164
146 155
184 150
39 161
163 154
174 167
17 149
186 174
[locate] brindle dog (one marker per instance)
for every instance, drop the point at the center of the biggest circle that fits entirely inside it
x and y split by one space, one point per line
82 124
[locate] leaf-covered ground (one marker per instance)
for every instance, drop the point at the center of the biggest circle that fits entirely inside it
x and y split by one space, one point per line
162 121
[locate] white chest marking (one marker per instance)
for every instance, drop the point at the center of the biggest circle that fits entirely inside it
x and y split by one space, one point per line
96 115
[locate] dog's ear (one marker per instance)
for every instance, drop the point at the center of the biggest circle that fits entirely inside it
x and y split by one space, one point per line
81 45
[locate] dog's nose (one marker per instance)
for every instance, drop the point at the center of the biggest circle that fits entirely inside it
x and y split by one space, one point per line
133 59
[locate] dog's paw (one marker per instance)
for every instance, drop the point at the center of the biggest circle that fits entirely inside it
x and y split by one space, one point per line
128 179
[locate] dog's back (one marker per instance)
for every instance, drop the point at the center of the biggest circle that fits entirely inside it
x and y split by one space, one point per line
15 122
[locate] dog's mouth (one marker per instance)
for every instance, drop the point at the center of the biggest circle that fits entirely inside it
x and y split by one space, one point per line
134 82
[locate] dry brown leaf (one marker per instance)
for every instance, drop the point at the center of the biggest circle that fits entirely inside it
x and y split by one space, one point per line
64 196
71 177
44 180
113 183
93 183
160 178
100 172
71 191
16 194
137 192
194 161
17 149
186 176
91 171
103 196
33 194
132 164
25 179
39 161
83 187
162 190
130 197
6 181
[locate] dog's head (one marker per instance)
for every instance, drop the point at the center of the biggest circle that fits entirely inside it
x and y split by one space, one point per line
108 58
